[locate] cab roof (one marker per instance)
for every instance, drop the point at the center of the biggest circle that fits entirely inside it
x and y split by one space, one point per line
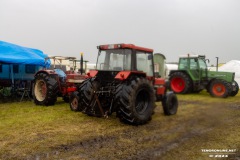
123 46
192 56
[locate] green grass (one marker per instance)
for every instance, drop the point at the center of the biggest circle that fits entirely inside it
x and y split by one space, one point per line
202 122
27 129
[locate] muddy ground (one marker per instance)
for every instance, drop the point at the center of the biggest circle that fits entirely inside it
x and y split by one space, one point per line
160 137
199 124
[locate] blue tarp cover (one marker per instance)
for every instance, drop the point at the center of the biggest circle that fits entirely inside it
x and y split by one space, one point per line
15 54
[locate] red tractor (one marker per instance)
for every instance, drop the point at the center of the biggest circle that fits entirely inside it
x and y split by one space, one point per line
123 82
50 84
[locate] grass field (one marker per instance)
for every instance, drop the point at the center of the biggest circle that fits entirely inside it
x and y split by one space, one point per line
28 131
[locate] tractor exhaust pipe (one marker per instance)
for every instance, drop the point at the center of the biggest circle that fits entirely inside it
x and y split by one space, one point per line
81 64
217 65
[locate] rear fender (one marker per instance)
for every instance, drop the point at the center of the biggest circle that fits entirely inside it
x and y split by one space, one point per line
183 71
91 73
123 75
51 73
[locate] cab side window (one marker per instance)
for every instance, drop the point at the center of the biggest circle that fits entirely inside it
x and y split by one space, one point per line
193 64
183 64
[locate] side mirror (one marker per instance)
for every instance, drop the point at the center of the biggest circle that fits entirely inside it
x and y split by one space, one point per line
150 57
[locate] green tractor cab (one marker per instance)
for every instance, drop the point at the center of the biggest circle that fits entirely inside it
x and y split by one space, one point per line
193 76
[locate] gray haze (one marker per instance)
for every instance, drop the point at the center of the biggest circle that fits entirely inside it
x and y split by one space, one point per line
171 27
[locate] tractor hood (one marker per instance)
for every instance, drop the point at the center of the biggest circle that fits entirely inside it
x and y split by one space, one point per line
227 76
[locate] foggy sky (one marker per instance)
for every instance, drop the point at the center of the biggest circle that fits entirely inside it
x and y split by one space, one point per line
170 27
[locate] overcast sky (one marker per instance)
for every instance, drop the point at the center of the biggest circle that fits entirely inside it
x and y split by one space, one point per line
170 27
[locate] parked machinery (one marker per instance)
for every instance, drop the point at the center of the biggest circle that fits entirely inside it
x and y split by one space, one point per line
123 82
53 83
193 76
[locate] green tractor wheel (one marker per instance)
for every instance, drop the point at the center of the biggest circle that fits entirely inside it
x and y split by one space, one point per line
235 89
220 88
180 83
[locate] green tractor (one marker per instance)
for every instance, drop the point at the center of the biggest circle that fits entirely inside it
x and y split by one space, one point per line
193 76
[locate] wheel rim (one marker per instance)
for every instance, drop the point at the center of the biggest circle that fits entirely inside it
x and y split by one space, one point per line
74 103
40 90
218 89
177 84
142 101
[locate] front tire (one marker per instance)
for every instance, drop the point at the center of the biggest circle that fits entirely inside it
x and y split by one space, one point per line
235 89
135 101
170 104
220 88
74 102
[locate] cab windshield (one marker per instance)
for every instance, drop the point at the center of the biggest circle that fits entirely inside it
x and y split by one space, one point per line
121 59
114 59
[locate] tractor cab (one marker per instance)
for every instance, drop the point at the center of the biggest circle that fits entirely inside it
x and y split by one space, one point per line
194 65
125 57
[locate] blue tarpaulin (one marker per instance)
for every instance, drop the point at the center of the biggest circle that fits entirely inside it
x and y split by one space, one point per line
15 54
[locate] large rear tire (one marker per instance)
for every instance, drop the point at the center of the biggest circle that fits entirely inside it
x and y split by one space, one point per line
235 89
45 90
88 100
180 83
135 101
220 88
170 103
